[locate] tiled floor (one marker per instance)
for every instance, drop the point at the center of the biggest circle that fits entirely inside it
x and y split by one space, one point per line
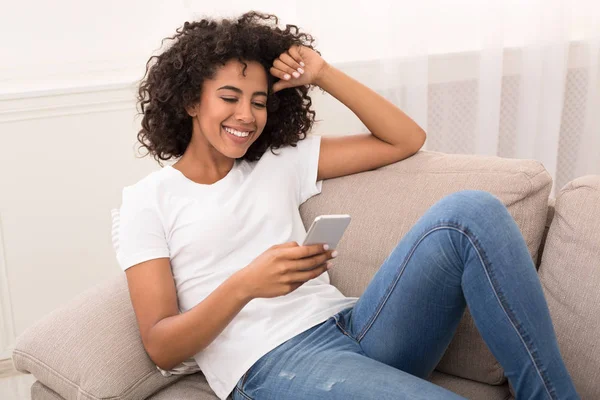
13 384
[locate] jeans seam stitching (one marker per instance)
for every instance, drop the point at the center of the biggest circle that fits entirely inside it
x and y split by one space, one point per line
243 380
241 392
508 314
461 230
393 284
344 331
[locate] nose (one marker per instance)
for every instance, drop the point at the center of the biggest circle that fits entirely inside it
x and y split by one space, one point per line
244 113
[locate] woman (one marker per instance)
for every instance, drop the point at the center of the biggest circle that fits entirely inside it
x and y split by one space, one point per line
210 244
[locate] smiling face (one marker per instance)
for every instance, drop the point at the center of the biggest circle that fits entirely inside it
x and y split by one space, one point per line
232 111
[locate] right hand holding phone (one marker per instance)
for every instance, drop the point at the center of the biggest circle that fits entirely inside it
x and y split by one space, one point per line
283 268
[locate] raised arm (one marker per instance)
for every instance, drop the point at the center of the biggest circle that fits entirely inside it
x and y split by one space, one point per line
393 135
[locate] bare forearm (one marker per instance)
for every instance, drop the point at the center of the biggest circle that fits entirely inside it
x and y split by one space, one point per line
177 338
383 119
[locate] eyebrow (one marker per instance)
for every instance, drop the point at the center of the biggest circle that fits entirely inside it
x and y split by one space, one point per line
238 90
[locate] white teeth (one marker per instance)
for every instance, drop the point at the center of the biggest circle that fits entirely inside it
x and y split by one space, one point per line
236 133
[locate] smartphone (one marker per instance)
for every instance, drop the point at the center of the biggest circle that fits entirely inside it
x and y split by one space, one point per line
327 229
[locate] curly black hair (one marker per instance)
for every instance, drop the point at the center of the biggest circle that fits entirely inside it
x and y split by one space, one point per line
173 81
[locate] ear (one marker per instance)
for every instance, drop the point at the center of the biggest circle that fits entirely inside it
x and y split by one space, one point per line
191 110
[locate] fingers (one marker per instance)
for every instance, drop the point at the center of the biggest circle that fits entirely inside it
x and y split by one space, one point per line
304 276
311 262
287 61
284 71
283 75
304 251
302 258
288 65
294 52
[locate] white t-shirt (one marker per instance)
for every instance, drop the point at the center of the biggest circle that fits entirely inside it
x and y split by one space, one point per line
211 231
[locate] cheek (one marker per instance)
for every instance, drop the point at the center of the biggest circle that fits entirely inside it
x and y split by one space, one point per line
214 108
213 118
261 119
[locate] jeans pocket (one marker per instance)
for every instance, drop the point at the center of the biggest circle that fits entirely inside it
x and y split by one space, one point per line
342 321
239 394
239 388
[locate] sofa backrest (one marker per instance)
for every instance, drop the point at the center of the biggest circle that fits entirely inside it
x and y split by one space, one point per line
570 276
385 204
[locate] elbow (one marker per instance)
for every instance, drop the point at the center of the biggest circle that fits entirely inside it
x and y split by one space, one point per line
417 141
153 354
164 356
163 366
160 364
156 352
421 136
159 359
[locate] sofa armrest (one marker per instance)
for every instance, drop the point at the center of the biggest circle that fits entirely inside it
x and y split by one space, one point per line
91 348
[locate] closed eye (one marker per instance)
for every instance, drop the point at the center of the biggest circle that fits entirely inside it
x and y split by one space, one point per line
234 100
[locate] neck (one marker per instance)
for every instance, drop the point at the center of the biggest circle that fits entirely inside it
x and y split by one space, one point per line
203 163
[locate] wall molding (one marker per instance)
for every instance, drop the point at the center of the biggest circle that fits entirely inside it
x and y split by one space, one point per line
84 99
7 322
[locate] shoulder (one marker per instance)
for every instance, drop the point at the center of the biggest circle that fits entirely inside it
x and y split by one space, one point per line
145 189
309 142
303 146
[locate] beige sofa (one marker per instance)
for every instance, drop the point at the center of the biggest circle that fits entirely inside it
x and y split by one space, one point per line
91 349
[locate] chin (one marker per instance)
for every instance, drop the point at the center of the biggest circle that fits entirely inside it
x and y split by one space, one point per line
234 152
237 151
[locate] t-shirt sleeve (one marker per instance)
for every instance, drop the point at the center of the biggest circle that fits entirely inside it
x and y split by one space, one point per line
137 232
307 167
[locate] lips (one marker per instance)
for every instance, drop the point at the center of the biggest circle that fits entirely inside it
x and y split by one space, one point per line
239 129
238 139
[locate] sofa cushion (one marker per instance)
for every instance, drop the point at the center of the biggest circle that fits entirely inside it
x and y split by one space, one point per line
191 387
385 204
91 348
570 275
470 389
39 391
195 387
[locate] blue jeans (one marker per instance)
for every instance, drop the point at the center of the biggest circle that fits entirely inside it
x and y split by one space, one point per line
466 250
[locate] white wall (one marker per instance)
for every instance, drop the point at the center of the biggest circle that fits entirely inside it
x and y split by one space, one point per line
68 43
64 159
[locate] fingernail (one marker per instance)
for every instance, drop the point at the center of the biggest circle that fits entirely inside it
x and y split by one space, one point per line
296 75
286 77
334 254
329 264
325 247
301 63
300 70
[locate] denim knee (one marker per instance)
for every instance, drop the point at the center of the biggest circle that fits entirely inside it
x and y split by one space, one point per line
477 205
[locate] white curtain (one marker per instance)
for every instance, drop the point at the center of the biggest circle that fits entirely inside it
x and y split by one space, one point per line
511 78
